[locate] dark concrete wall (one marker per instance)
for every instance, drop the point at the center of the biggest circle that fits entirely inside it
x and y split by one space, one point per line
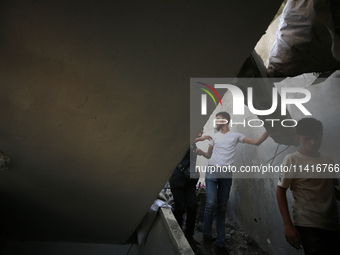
94 105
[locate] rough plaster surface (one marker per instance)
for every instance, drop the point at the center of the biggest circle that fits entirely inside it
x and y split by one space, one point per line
265 44
94 103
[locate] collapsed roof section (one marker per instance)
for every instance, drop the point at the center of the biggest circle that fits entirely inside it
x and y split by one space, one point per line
253 70
308 39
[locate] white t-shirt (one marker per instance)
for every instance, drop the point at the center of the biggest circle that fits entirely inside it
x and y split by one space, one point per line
224 148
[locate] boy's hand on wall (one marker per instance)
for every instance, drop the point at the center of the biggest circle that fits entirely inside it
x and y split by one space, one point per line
206 137
199 152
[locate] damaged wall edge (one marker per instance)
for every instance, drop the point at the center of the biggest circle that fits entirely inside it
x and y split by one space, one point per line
166 237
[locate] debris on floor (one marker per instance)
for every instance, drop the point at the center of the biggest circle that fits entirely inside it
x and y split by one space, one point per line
237 242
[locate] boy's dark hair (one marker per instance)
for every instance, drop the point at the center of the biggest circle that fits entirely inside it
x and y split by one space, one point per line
224 115
308 126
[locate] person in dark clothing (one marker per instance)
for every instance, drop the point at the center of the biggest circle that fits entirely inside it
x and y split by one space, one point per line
183 189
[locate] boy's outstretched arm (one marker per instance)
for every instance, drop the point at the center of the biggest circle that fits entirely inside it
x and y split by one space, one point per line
291 233
205 154
202 138
257 141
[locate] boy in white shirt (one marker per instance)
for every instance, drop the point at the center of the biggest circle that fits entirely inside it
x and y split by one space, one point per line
221 152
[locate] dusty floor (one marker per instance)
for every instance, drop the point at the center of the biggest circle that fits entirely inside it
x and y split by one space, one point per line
237 242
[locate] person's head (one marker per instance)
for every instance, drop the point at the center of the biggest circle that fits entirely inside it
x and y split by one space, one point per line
309 133
224 116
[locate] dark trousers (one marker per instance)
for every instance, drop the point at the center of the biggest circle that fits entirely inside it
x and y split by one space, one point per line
316 241
217 190
184 194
